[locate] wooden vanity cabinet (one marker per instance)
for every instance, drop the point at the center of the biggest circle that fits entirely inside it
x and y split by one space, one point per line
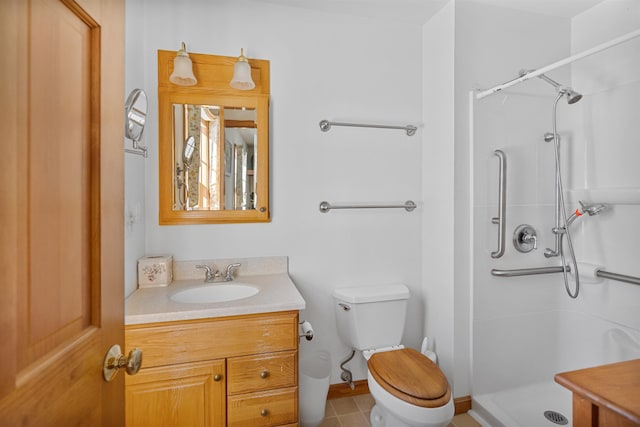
230 371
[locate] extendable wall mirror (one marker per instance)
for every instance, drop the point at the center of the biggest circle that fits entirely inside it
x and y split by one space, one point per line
135 119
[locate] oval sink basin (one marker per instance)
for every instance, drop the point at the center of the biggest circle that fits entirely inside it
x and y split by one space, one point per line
214 293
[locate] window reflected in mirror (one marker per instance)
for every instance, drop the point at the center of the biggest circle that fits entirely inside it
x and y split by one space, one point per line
214 157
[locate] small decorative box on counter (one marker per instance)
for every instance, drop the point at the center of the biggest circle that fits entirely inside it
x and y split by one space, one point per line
155 271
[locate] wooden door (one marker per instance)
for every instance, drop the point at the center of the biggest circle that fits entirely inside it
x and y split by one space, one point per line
61 210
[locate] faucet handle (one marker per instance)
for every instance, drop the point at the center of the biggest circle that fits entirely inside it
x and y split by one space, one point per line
230 267
212 273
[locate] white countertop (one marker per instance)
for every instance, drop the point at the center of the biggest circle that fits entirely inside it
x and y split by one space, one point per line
149 305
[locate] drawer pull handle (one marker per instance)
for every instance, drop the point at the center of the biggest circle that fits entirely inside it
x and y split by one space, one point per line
264 374
217 377
264 412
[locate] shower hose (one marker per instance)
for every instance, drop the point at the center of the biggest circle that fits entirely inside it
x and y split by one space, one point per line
564 230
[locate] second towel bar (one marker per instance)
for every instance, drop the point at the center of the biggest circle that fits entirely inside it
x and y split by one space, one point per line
325 207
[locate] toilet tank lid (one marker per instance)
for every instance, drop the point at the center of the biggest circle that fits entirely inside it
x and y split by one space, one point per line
363 294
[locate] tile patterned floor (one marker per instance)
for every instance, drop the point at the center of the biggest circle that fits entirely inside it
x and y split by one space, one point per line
354 412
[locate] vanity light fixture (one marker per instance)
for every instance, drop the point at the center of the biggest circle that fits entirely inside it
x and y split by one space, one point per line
183 69
242 74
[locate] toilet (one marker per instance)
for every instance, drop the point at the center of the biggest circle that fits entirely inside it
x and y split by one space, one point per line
408 387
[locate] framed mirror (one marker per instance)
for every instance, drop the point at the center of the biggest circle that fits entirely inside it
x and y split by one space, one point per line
214 144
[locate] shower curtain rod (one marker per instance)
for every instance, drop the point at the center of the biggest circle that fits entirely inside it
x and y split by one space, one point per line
550 67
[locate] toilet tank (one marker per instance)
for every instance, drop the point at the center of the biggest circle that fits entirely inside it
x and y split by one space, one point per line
371 317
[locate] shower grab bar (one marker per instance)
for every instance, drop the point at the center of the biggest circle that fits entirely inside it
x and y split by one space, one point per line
527 271
325 126
502 204
618 277
546 270
325 207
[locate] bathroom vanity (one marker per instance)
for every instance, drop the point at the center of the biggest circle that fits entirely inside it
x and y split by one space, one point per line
232 363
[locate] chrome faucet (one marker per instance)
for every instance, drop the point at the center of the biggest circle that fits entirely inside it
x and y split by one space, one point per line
229 275
212 273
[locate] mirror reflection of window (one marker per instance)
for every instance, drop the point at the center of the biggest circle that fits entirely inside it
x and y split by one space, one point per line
217 146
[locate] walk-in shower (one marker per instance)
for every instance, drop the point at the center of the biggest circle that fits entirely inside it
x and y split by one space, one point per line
525 329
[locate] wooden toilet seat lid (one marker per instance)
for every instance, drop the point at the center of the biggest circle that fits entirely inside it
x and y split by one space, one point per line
410 376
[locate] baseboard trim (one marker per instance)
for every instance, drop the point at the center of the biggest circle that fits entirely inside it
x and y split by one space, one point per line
337 391
462 404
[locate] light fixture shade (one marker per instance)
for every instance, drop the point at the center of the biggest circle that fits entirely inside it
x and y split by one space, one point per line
183 69
242 74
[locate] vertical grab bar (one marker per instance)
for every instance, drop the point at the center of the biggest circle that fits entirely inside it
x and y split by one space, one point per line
502 204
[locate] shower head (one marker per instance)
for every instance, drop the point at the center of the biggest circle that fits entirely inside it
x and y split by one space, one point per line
572 95
593 209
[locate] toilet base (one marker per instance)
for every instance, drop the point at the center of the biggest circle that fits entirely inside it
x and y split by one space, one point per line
381 418
390 411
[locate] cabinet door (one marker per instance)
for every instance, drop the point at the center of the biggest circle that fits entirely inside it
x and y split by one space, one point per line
191 394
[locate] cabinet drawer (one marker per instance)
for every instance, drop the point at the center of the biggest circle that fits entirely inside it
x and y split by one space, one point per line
262 372
265 409
192 341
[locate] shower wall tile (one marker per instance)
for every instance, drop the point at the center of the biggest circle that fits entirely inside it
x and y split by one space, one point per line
501 346
499 297
613 67
613 123
611 240
515 124
533 347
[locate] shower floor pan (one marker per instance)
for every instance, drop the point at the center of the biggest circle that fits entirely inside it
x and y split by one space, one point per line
523 406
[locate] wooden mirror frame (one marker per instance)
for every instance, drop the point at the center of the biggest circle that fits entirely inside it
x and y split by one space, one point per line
213 74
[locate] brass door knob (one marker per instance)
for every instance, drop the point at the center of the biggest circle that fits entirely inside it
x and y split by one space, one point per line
264 374
217 377
264 412
114 360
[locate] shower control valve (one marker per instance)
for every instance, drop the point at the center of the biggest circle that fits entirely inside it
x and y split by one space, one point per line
525 238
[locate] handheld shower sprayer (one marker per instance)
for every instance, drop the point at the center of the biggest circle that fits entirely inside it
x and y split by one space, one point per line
593 209
590 210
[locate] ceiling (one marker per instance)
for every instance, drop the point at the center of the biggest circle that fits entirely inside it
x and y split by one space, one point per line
564 8
420 11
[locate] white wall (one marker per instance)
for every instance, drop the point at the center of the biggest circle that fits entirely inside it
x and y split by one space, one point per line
438 186
134 165
323 66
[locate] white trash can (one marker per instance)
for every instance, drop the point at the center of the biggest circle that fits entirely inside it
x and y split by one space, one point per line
314 377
